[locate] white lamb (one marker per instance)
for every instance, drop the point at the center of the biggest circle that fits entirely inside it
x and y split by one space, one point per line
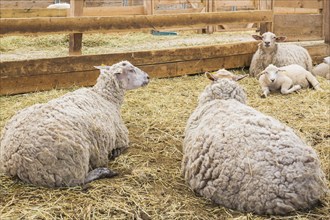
323 69
69 140
244 160
269 52
286 79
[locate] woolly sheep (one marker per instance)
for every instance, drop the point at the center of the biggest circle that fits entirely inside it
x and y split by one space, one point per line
287 79
69 140
59 6
323 69
269 52
244 160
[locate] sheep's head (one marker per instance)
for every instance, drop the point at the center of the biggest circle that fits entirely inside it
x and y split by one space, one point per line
223 86
128 76
269 39
271 73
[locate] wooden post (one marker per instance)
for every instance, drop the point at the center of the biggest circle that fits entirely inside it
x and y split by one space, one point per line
149 7
326 21
266 5
75 41
210 7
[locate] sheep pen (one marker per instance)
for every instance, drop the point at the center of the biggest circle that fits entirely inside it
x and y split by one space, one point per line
150 185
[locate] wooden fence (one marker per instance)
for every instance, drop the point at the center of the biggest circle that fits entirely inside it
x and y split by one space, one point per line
32 75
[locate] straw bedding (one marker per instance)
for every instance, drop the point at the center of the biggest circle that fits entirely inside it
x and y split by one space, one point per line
149 185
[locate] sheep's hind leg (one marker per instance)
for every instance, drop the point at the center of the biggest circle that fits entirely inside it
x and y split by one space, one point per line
99 173
286 91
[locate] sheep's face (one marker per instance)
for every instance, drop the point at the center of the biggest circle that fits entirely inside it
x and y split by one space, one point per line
128 76
269 39
271 73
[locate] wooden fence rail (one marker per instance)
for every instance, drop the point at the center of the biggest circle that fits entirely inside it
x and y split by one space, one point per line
128 23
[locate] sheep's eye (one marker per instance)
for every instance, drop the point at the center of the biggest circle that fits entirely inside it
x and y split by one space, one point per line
124 64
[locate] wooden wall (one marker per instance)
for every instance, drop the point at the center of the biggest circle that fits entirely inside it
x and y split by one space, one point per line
299 20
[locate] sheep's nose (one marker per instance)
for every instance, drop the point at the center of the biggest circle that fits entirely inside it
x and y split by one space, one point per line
267 43
148 77
272 80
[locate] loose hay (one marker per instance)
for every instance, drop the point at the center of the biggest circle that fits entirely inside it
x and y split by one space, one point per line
149 185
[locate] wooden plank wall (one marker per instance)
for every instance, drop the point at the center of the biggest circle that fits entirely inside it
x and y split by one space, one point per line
36 75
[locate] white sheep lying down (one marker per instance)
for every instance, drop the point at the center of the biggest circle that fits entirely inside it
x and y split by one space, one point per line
244 160
286 79
69 140
323 69
270 52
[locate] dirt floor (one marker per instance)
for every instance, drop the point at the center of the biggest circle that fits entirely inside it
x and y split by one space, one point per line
149 185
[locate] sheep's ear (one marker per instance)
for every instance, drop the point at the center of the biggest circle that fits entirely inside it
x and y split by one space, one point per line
257 37
280 39
261 73
239 77
102 67
210 76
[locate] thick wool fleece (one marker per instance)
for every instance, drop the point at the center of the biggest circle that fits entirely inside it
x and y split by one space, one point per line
247 161
59 142
281 55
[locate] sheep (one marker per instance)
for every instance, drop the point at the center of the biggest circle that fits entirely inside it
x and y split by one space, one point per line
269 52
323 69
244 160
287 79
59 6
69 140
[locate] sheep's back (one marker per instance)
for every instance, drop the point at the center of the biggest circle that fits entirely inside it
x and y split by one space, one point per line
323 70
288 54
244 160
58 142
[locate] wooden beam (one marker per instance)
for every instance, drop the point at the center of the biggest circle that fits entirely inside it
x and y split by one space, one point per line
128 23
326 21
75 40
28 13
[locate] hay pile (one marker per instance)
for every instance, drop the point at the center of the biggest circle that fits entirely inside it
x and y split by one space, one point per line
149 185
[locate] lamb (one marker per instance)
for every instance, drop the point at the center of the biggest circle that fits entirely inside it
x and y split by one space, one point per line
287 79
69 140
323 69
269 52
244 160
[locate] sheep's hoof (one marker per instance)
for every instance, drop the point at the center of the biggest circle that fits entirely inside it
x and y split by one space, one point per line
115 153
99 173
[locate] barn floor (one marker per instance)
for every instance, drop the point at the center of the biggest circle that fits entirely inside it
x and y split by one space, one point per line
150 185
